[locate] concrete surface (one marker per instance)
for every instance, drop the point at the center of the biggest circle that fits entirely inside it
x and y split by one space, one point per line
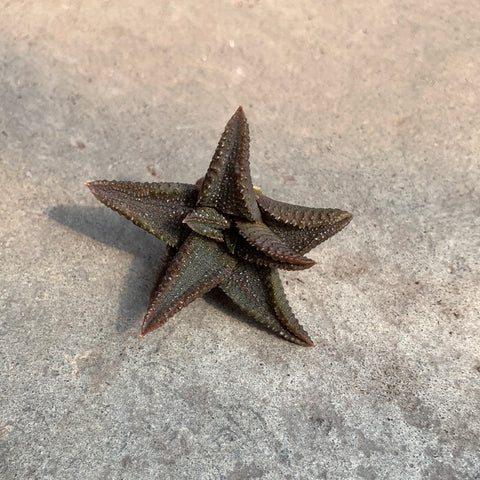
369 106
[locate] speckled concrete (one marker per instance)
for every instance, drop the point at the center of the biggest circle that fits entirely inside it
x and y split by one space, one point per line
369 106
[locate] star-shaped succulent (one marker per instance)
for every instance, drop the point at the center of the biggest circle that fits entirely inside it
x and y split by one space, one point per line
223 232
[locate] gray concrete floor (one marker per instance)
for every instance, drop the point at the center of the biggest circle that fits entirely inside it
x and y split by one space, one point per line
372 107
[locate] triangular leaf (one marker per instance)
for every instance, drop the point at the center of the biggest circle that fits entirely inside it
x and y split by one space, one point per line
251 288
208 222
227 186
302 228
158 208
199 265
270 249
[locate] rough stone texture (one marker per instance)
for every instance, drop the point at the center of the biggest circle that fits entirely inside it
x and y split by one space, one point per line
368 106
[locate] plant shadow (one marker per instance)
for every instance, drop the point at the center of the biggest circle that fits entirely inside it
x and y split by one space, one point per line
148 253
